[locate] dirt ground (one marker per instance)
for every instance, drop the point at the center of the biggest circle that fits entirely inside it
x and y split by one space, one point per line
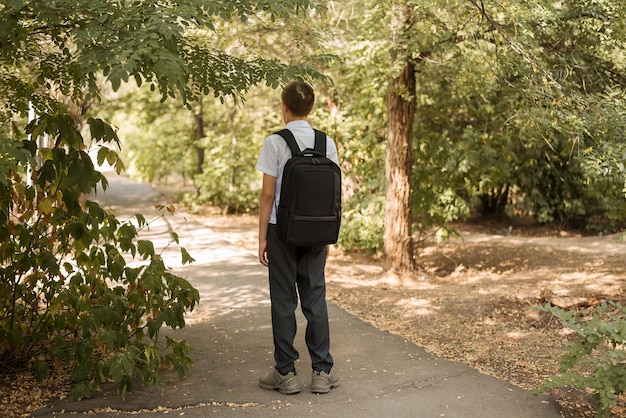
471 300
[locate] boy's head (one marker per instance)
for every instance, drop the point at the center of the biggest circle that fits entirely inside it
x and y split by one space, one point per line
299 98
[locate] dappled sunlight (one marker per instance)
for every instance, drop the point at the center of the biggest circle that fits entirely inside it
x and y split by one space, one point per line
574 244
392 279
226 276
468 302
503 255
346 282
471 300
215 301
529 284
126 197
415 306
608 285
202 244
381 281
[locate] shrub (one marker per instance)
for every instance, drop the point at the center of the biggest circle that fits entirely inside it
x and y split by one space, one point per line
362 224
68 298
596 361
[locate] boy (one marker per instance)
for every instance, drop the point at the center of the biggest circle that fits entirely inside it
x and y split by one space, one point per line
293 267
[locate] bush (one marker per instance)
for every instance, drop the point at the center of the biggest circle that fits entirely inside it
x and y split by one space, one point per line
596 361
362 224
67 296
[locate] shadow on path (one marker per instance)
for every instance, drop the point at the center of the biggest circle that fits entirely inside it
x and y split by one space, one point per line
382 375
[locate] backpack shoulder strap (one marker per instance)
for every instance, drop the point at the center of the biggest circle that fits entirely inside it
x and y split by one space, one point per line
291 141
320 142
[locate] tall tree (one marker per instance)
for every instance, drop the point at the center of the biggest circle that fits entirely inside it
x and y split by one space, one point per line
398 238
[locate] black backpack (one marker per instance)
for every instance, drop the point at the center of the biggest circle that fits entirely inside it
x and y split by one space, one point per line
309 212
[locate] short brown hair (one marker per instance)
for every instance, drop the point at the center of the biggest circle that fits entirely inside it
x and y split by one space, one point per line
299 98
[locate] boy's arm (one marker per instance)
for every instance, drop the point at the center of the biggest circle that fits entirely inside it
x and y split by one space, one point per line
266 201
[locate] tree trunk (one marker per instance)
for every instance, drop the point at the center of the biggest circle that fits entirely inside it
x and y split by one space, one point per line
199 136
398 240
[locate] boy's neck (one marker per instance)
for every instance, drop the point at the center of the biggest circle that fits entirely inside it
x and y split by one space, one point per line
290 117
294 118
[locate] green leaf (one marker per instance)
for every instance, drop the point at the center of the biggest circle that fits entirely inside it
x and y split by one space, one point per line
81 390
116 77
146 248
141 220
96 127
186 257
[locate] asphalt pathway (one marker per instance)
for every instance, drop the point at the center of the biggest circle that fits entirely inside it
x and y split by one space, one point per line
382 375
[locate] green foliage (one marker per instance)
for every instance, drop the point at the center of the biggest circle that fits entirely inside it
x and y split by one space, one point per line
603 161
596 360
356 118
157 136
505 111
160 45
68 298
508 121
163 140
520 110
364 228
165 144
229 181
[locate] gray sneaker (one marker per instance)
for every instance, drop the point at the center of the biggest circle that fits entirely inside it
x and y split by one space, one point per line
323 382
286 385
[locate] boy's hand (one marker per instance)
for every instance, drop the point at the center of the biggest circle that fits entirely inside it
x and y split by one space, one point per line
263 253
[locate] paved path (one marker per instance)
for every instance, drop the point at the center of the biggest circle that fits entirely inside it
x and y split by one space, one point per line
382 375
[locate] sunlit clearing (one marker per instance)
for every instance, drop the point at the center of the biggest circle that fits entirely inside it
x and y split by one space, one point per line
418 307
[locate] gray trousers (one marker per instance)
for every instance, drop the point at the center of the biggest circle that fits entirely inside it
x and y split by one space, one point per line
297 271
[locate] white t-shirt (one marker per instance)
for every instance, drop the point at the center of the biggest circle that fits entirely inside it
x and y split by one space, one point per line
275 154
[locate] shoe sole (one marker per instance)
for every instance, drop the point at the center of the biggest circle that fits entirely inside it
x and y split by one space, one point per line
279 389
322 391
